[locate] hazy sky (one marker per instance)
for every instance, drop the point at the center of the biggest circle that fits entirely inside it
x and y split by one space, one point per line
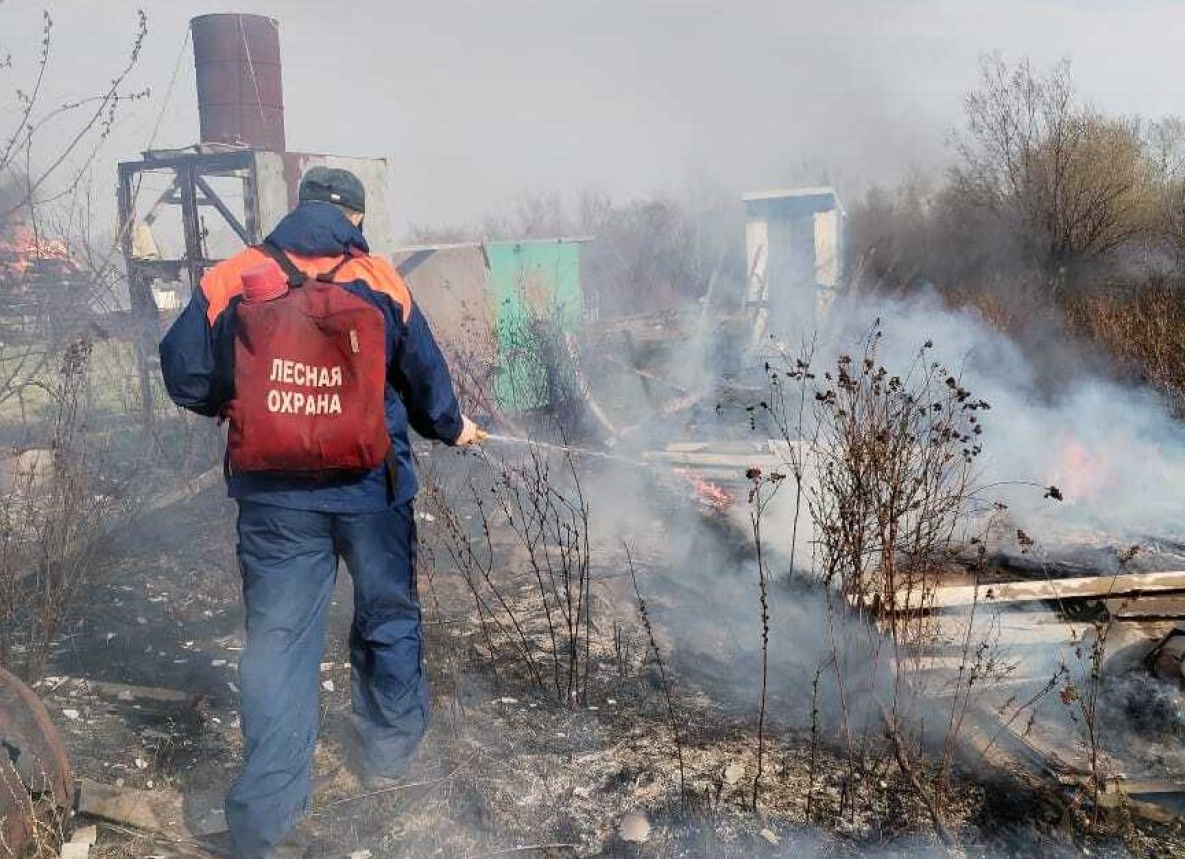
477 102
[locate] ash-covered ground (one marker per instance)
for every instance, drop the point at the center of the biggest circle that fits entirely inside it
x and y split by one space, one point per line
508 768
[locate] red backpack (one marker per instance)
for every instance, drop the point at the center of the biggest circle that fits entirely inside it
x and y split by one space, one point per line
310 375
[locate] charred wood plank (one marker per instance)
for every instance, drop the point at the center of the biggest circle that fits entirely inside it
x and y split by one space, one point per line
130 692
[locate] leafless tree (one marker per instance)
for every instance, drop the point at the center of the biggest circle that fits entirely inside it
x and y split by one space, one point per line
1072 182
51 147
1165 143
647 254
47 152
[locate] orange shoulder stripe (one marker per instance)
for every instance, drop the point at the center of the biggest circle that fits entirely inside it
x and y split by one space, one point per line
224 281
381 276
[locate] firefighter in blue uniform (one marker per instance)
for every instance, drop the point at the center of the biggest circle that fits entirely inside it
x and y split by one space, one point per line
293 530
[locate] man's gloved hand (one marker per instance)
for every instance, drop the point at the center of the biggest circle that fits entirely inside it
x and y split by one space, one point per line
471 433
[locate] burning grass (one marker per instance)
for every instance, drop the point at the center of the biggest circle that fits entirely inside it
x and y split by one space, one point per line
510 764
742 701
741 708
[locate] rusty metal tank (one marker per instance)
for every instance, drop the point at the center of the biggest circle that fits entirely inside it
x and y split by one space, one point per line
35 775
240 94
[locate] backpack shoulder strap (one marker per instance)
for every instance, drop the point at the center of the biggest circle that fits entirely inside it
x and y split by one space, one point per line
328 276
296 277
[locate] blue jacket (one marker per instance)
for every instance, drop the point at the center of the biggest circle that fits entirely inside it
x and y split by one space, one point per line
197 361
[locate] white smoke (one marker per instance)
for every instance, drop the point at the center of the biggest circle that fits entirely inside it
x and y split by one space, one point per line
1113 450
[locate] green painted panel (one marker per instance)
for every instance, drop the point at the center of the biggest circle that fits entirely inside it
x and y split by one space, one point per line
534 291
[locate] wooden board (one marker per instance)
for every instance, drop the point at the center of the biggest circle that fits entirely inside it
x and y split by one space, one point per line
129 692
738 461
1160 800
1147 607
1008 629
1087 587
162 811
1134 786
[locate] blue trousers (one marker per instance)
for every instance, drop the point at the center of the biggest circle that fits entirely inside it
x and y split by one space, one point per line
289 561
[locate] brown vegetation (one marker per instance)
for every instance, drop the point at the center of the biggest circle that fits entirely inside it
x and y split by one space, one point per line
1143 326
1052 210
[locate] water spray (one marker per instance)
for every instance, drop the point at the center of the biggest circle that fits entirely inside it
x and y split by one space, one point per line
484 436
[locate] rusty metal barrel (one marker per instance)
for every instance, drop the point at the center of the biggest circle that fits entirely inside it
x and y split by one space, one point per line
240 93
35 776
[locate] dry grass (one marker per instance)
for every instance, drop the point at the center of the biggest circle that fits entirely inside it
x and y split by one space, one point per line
1143 327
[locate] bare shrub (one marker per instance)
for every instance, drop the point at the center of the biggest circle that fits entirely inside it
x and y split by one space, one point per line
474 367
29 790
16 542
525 371
895 458
55 516
888 465
537 365
664 681
547 515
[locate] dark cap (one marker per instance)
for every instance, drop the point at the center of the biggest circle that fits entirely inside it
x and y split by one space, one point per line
333 185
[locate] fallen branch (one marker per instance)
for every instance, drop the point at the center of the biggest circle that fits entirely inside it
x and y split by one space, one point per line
647 375
183 846
161 812
190 489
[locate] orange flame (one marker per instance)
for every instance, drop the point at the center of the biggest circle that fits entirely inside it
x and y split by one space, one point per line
709 494
1081 471
22 248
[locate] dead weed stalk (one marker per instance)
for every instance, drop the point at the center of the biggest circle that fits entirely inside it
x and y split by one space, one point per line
664 682
54 518
762 490
547 517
